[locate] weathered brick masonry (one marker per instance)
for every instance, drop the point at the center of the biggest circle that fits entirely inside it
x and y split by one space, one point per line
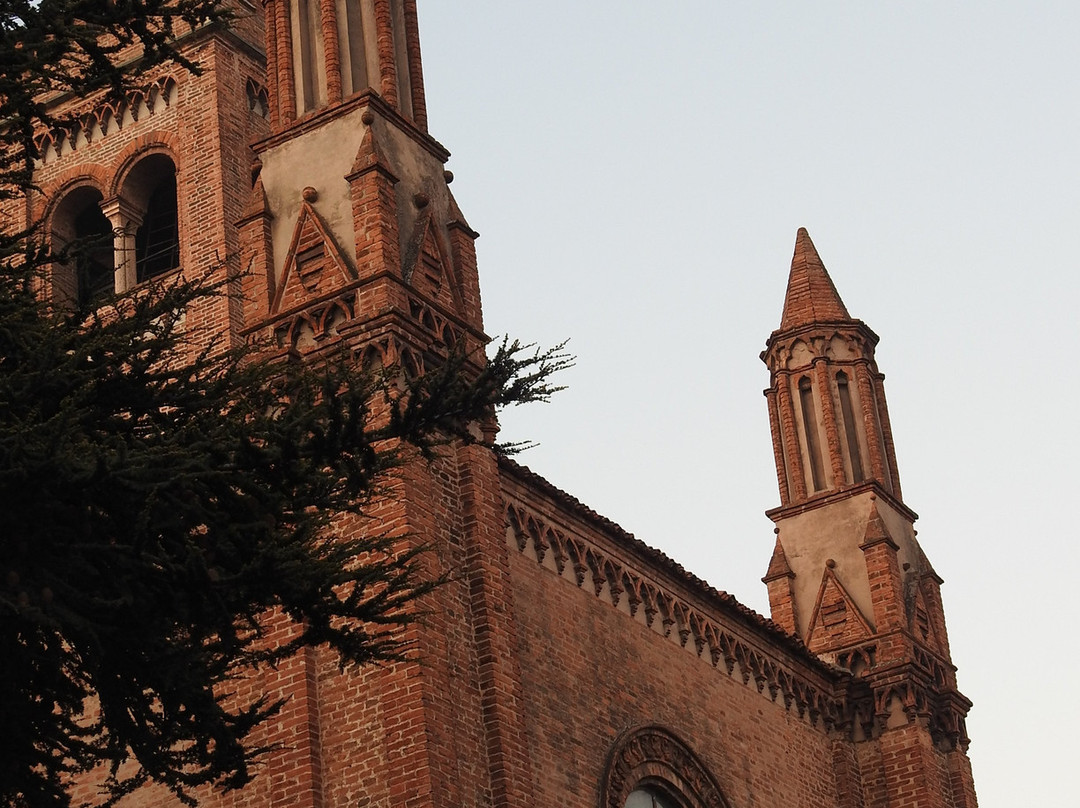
564 662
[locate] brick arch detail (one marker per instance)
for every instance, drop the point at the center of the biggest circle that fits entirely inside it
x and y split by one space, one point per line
156 142
654 755
93 174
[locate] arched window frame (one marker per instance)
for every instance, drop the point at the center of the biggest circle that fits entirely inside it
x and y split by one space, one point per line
69 281
654 758
137 193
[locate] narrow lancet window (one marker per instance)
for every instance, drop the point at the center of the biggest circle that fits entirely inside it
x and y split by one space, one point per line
850 432
401 58
352 46
307 60
813 444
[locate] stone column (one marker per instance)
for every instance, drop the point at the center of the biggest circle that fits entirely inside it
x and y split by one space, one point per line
125 219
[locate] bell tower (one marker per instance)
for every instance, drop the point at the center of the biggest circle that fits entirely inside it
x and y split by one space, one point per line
351 231
351 238
847 575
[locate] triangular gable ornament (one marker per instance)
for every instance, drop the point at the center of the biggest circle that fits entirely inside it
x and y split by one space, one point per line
922 623
836 620
428 267
314 265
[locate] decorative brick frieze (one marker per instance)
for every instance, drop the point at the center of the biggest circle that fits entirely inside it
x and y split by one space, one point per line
104 119
690 622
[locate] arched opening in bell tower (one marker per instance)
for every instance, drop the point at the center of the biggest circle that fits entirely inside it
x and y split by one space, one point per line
88 274
851 433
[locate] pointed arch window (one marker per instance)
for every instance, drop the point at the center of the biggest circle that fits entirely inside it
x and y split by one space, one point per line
810 430
851 434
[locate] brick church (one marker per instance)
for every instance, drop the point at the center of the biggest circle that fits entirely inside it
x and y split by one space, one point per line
565 662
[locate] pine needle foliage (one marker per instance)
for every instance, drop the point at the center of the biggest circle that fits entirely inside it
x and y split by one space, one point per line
166 499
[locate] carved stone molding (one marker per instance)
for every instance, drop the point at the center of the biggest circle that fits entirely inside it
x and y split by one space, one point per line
653 755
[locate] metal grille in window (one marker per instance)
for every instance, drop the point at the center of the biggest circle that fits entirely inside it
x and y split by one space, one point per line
157 241
94 264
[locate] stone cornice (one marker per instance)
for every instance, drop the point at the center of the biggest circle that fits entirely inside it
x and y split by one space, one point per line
368 98
837 495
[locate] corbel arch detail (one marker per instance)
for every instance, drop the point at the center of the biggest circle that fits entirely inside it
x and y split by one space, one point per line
654 756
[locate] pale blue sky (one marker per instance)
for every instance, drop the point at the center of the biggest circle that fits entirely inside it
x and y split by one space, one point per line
638 170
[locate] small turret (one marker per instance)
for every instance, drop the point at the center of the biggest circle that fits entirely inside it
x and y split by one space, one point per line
847 574
351 232
826 398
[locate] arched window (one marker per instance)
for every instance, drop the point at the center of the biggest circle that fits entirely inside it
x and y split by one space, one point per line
651 797
81 229
157 241
94 264
650 767
145 216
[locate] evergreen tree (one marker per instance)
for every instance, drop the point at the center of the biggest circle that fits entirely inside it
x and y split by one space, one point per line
163 498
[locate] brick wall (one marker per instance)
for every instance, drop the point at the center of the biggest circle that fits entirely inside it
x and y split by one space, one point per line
594 665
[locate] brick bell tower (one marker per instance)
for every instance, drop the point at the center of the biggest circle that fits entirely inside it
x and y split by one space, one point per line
351 235
351 231
847 575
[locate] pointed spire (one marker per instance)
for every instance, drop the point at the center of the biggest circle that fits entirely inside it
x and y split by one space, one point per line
811 296
371 153
257 204
876 532
778 565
